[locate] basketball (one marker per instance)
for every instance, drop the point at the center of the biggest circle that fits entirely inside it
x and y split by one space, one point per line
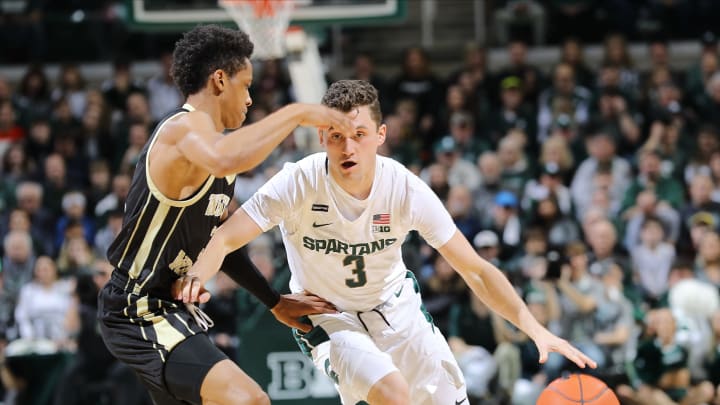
577 389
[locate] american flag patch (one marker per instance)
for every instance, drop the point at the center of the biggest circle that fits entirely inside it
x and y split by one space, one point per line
381 219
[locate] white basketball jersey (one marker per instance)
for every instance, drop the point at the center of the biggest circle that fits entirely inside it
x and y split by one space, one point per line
355 264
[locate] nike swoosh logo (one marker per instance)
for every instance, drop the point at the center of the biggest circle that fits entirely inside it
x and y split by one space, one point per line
397 294
319 225
460 401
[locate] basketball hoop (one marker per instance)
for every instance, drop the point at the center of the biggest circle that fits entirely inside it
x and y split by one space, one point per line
265 21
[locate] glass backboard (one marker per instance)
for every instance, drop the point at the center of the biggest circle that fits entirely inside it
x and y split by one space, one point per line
179 15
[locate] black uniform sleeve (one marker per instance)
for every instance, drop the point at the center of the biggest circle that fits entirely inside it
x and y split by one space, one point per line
241 269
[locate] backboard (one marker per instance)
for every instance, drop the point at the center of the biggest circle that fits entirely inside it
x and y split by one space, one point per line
180 15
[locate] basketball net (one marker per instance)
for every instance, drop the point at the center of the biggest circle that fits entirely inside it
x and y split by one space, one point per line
265 21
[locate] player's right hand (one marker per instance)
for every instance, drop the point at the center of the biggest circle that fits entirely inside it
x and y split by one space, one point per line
293 306
323 117
189 289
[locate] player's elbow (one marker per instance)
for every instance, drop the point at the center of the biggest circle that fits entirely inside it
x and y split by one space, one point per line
228 163
222 166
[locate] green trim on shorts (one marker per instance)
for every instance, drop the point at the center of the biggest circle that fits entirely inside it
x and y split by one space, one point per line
330 373
310 340
416 286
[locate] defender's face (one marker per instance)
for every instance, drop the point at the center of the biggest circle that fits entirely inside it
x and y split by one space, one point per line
236 97
352 156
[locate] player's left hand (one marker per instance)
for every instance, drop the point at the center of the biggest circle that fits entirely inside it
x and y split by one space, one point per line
293 306
546 342
189 289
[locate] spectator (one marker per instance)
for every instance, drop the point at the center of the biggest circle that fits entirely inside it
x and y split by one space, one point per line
699 161
559 227
616 53
506 223
115 200
516 167
75 257
459 205
32 100
660 374
602 238
549 185
138 136
531 76
646 206
400 144
571 53
30 196
107 234
615 117
163 94
564 86
459 170
71 88
700 191
487 245
74 206
55 184
649 176
652 259
490 170
43 304
10 131
18 262
417 81
707 261
512 112
601 147
117 89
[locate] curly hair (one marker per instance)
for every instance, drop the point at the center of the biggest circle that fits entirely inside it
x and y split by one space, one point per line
205 49
344 95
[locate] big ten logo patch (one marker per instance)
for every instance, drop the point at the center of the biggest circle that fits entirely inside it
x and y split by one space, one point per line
295 377
380 228
216 205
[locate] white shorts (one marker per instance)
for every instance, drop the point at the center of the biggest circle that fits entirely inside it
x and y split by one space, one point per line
356 350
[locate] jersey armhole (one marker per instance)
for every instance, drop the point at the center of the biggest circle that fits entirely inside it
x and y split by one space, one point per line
193 198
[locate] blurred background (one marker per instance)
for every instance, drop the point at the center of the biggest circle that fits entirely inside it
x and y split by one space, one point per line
575 143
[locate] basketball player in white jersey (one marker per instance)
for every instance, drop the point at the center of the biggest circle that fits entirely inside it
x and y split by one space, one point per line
343 215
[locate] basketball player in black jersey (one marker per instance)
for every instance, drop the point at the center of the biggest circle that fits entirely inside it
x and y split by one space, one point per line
182 186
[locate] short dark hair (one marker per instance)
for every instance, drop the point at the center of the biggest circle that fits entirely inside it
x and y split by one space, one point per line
344 95
205 49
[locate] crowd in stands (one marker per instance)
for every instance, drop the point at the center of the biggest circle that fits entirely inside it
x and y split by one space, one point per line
596 189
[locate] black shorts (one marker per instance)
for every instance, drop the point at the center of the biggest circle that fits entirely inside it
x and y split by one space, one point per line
172 374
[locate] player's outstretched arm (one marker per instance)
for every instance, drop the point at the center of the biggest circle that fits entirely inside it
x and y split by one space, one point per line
491 286
233 234
243 149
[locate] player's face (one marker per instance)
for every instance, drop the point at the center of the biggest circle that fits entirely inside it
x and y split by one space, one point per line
352 156
236 97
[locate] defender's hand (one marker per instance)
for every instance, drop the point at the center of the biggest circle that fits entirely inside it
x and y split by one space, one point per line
324 117
293 306
189 289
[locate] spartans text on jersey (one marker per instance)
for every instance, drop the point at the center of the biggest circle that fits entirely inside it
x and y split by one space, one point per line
328 246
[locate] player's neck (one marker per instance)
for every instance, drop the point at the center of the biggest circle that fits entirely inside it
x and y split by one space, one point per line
358 188
209 105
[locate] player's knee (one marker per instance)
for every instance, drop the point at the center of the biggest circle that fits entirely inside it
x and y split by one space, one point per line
391 390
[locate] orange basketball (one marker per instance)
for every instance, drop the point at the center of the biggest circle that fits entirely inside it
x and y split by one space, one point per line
577 389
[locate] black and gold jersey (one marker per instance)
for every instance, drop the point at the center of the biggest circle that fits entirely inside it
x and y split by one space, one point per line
160 237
